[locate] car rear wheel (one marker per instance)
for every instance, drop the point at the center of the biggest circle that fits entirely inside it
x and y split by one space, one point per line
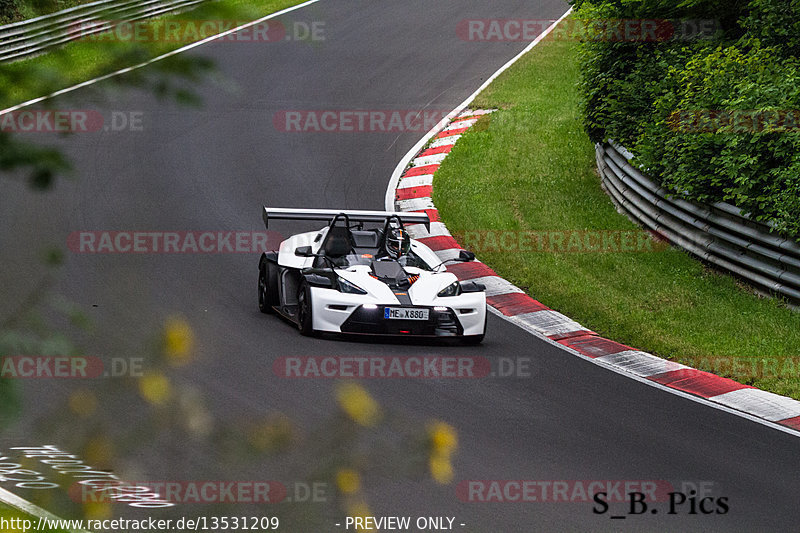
305 310
267 286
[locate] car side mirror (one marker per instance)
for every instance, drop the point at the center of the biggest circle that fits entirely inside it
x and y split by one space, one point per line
472 286
303 251
465 256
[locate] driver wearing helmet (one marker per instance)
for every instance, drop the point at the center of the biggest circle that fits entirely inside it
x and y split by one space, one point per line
397 243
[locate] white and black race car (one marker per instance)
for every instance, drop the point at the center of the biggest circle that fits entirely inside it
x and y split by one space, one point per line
347 278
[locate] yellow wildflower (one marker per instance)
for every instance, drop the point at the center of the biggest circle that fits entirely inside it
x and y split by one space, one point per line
358 404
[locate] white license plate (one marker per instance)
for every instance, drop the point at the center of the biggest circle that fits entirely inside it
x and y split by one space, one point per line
405 313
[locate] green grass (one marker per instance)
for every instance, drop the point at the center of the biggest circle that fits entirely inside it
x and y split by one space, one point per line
10 516
532 167
92 57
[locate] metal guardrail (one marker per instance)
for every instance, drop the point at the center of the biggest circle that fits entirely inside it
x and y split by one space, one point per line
719 234
32 37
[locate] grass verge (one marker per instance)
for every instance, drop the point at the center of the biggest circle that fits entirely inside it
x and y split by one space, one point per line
531 168
15 521
96 55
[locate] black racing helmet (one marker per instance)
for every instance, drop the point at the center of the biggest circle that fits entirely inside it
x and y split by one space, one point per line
398 243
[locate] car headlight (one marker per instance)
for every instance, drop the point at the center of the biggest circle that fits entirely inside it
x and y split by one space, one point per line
350 288
454 289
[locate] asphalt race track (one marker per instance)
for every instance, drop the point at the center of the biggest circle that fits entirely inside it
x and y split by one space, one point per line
211 168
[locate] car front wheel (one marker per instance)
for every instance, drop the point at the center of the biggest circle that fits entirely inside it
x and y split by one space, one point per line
305 311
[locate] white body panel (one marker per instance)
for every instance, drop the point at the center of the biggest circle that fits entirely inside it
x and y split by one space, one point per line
469 307
331 307
286 255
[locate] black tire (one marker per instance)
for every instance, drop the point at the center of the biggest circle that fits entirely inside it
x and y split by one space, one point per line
305 311
267 286
474 340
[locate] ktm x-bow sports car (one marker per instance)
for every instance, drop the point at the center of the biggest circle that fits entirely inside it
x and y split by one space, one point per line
347 278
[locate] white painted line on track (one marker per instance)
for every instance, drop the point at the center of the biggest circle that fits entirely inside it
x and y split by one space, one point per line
418 204
401 166
765 404
419 231
460 124
445 141
429 160
641 363
549 322
495 286
157 58
478 112
449 253
422 180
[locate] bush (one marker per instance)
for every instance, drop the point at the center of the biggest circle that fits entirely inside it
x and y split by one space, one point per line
708 118
8 11
749 156
775 23
18 10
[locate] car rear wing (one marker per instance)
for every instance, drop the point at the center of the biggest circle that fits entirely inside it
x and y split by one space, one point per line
327 215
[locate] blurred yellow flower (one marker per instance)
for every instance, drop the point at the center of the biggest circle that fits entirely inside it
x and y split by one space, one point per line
155 388
83 402
441 468
444 441
178 340
99 451
272 435
443 438
359 509
97 510
358 404
348 481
